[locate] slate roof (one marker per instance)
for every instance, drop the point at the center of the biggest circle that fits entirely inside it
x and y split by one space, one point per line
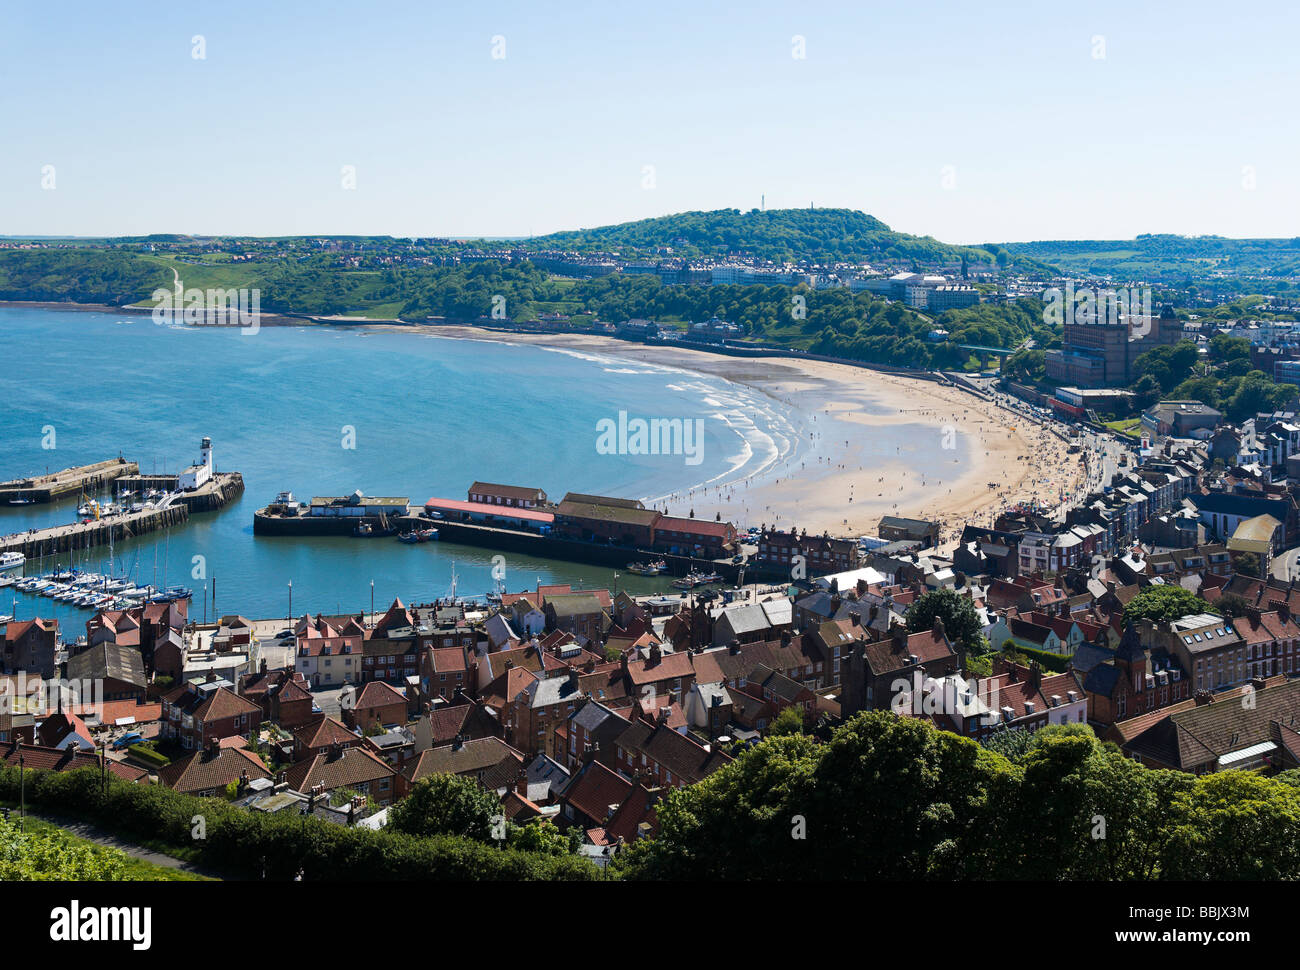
1202 734
108 660
683 756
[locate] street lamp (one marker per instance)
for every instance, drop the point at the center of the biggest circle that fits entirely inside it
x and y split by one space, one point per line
372 602
291 601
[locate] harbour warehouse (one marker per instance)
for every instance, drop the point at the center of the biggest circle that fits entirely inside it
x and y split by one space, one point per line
596 519
329 515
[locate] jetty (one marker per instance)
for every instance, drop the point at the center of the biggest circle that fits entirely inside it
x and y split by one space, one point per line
68 483
544 546
174 510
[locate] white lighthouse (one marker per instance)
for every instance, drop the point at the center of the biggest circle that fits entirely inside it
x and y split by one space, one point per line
197 474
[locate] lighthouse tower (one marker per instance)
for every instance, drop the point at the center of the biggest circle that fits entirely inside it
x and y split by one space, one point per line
198 474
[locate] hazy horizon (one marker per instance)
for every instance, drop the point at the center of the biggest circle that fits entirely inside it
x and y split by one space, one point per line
967 124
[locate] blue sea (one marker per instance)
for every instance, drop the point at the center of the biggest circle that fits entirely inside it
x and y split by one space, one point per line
326 410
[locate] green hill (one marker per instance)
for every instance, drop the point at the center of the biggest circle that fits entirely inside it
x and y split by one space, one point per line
824 235
1167 257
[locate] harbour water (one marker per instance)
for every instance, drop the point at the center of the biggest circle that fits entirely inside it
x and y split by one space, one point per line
324 411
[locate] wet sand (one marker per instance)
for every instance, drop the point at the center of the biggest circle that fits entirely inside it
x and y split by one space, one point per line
847 487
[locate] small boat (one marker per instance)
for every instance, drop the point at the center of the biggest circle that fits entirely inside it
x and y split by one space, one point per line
11 560
171 594
363 529
696 578
426 535
410 538
647 568
20 501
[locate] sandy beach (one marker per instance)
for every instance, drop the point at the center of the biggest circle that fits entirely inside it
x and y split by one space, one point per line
844 490
836 481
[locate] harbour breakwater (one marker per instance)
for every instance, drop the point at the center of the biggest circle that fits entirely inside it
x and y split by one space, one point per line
576 550
43 489
80 536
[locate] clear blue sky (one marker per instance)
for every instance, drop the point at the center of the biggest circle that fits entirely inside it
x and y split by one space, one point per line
1043 139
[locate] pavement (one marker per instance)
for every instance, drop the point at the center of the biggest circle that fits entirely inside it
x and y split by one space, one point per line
1286 565
93 833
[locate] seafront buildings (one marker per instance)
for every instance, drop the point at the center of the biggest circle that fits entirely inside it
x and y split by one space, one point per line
580 708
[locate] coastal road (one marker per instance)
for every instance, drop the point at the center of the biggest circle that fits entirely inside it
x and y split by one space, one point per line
1286 565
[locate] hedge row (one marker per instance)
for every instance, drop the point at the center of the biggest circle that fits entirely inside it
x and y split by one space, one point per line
242 844
1057 663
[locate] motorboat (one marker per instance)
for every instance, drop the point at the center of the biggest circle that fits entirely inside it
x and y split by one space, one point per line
647 568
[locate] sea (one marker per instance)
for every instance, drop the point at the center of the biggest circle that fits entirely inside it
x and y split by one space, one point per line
326 410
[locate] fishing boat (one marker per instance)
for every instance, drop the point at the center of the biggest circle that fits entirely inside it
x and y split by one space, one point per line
410 538
363 529
11 560
426 535
171 594
647 568
695 578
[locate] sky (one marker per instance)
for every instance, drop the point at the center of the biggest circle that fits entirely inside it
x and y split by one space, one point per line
970 122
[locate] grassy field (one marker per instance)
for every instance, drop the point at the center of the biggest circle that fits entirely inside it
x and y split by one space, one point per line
1130 426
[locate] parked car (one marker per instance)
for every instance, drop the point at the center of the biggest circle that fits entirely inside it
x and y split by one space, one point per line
126 740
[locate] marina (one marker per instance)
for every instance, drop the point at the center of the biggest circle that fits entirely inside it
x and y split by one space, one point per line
106 525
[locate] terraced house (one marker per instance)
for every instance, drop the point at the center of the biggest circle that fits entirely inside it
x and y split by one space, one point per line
329 653
196 713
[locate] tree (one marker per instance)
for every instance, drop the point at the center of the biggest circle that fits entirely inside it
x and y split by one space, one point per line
1247 563
541 836
1145 392
1234 825
1162 603
960 621
789 721
897 798
445 804
1232 604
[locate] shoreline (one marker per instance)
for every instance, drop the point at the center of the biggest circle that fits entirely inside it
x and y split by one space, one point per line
845 403
263 320
852 484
